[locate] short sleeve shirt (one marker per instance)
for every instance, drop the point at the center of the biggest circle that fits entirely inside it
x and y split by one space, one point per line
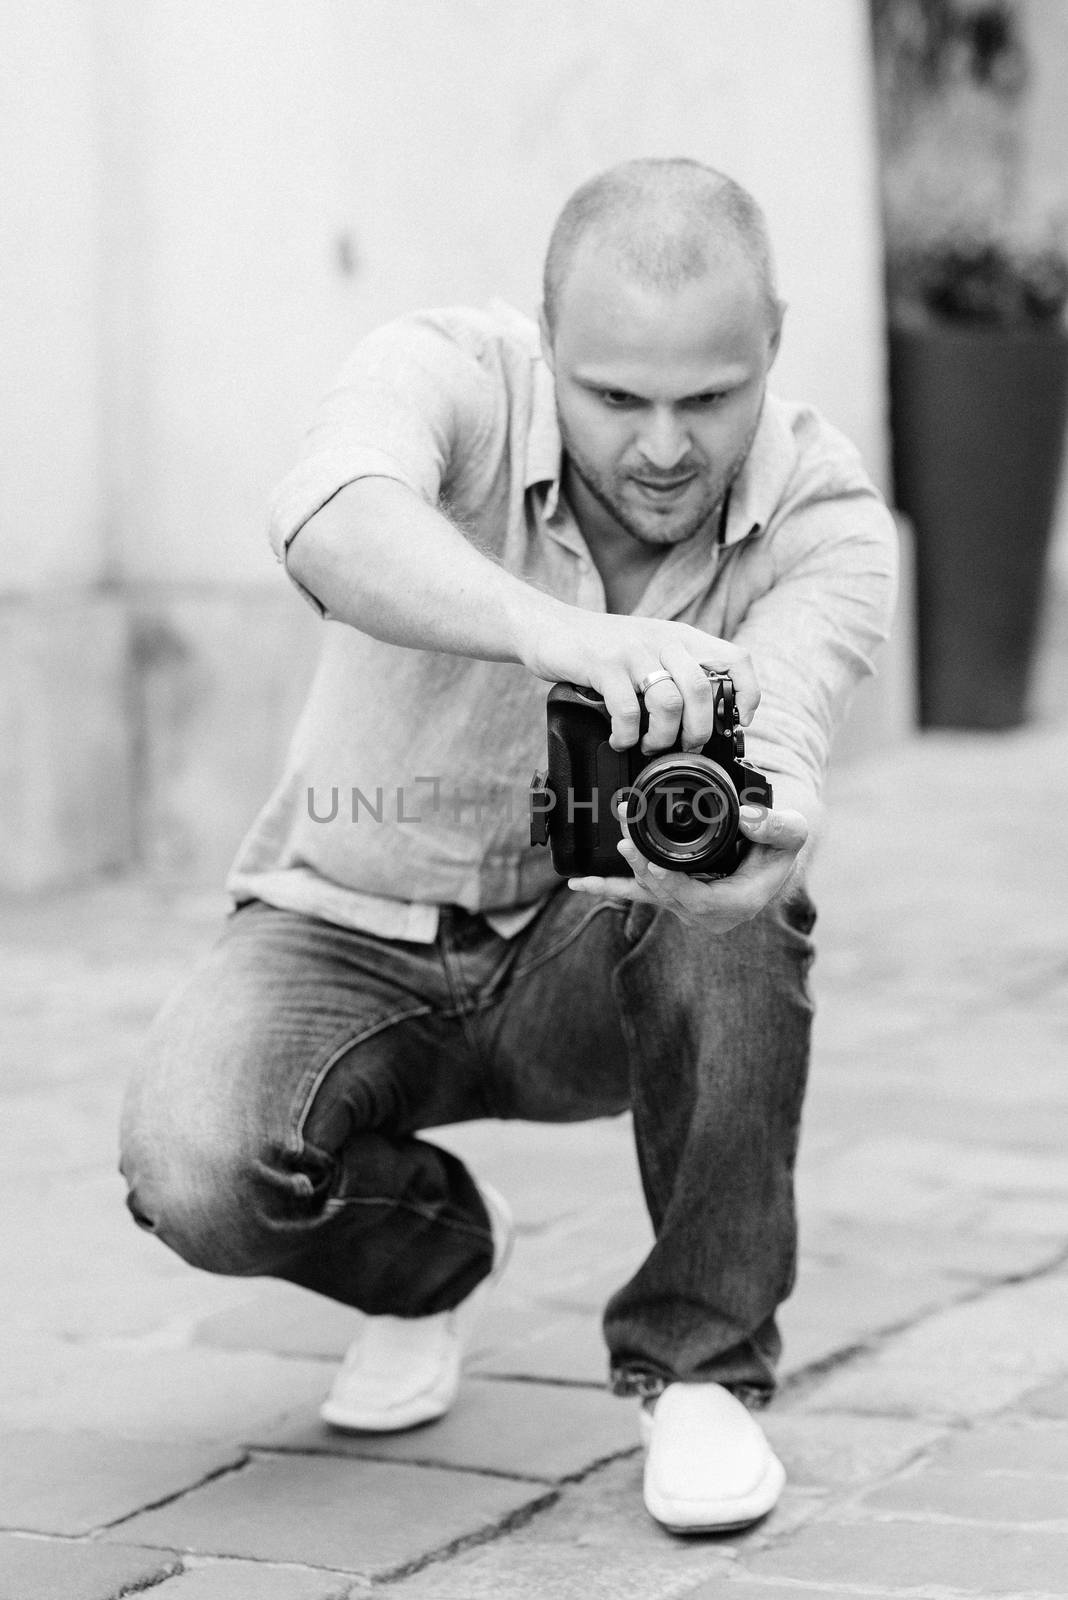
405 787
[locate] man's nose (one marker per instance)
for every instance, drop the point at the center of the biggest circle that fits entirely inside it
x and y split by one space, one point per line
663 441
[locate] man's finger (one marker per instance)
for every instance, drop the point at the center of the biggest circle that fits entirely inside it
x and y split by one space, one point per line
695 689
621 703
664 704
743 675
609 888
780 830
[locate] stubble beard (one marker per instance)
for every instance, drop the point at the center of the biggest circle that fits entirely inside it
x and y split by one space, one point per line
654 530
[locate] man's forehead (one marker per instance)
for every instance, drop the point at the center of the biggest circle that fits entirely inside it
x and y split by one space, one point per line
607 307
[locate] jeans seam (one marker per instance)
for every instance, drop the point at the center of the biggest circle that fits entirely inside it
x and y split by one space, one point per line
315 1078
520 971
428 1213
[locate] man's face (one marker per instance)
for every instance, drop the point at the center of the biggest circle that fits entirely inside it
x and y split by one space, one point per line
658 393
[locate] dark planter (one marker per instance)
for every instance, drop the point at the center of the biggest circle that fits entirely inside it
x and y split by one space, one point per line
978 419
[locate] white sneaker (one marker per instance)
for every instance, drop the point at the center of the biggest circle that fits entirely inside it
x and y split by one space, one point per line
709 1467
401 1371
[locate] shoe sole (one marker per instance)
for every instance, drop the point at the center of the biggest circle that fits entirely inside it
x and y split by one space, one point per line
427 1408
728 1519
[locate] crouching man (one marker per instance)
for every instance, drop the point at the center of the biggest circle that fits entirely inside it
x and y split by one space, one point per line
613 501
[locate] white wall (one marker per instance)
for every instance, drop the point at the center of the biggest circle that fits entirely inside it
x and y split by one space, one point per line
437 138
224 308
51 512
465 124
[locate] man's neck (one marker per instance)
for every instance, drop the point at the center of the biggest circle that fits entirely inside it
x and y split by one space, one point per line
616 553
625 564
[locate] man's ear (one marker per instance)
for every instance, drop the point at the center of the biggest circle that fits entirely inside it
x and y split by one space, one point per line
775 339
546 338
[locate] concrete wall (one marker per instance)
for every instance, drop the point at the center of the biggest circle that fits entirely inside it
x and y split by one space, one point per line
776 93
50 183
212 202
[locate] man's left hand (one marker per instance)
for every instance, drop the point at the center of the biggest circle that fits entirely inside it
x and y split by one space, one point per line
777 838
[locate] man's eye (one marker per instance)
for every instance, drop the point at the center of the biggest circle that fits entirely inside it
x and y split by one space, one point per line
617 398
711 397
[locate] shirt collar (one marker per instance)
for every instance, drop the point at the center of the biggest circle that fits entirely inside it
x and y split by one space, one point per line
544 450
758 488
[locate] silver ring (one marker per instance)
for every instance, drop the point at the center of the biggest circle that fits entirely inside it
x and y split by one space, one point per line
653 677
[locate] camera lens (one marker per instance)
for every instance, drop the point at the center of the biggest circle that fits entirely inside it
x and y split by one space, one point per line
682 812
677 813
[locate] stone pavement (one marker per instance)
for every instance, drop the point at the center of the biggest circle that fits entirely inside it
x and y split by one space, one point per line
159 1425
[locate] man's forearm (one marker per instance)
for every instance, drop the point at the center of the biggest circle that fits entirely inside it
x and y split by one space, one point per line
384 561
381 559
792 794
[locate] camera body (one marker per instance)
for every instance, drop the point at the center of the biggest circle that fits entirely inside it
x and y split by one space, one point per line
682 806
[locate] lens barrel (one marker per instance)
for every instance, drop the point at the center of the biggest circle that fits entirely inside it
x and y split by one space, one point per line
682 812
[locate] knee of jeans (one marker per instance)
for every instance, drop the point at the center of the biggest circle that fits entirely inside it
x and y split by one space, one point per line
220 1211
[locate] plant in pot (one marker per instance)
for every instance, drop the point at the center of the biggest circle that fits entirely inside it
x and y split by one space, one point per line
979 406
978 354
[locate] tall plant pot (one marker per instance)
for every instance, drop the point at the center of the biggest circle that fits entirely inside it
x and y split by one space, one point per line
978 419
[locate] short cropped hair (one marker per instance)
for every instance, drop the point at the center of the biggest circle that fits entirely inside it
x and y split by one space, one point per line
665 220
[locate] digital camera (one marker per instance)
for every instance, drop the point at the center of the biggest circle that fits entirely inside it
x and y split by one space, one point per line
681 806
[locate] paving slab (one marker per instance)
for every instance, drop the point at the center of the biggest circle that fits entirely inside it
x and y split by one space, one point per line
284 1319
529 1430
73 1482
579 1273
832 1310
597 1542
976 1497
561 1571
924 1557
139 1393
81 1127
134 1288
1009 1447
55 1569
1051 1400
928 1180
835 1452
894 1248
736 1586
964 1060
970 1360
991 1474
253 1580
365 1517
535 1165
1028 1118
565 1348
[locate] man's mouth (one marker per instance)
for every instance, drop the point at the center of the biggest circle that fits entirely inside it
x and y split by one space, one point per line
664 486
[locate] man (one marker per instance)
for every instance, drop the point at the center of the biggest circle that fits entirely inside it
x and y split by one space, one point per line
476 517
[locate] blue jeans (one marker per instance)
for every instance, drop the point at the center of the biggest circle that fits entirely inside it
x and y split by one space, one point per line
272 1126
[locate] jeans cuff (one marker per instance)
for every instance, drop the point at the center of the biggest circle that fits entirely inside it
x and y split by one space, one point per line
637 1381
647 1385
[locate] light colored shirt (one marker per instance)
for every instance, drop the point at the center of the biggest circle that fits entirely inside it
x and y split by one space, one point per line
405 787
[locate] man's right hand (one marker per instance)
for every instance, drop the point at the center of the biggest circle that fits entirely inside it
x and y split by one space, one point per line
613 654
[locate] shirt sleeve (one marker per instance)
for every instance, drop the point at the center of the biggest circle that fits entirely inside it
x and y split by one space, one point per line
410 397
814 632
